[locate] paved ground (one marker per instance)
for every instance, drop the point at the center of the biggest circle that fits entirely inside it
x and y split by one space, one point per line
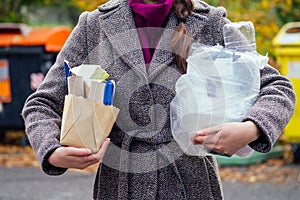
261 191
32 184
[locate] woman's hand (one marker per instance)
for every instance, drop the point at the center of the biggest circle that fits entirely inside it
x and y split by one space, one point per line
79 158
228 138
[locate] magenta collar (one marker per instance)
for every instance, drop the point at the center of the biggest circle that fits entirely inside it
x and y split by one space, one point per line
150 15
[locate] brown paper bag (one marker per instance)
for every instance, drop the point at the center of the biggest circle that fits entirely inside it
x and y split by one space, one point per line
86 123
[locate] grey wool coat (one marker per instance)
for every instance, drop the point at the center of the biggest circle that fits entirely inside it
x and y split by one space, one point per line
143 161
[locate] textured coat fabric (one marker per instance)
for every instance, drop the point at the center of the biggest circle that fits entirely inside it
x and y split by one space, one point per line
143 161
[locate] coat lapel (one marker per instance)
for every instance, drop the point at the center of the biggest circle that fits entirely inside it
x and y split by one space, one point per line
163 54
119 27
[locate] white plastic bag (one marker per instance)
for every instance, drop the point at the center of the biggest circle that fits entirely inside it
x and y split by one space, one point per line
220 86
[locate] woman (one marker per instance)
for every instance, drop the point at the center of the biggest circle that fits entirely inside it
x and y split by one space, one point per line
142 161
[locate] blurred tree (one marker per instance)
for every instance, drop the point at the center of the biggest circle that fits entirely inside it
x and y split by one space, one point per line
88 4
288 12
10 10
267 16
17 10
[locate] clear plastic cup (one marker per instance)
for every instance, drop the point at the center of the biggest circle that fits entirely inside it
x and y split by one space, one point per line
240 36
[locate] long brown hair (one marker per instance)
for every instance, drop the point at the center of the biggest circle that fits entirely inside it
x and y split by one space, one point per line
181 41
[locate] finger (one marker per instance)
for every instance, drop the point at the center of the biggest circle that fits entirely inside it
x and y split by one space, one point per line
211 147
94 158
73 151
207 139
90 160
210 130
198 139
99 155
81 162
204 140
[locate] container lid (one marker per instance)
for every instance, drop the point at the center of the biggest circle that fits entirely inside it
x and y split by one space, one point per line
52 38
288 35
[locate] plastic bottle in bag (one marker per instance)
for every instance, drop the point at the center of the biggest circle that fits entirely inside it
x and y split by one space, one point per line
240 36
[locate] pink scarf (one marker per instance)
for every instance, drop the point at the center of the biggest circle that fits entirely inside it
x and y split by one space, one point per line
150 15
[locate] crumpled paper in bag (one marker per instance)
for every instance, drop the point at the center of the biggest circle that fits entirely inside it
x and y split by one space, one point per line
86 123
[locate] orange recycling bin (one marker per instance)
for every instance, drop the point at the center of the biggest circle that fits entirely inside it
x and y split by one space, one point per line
26 54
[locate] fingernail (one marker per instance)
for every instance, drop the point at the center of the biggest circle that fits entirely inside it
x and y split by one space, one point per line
195 141
88 151
201 133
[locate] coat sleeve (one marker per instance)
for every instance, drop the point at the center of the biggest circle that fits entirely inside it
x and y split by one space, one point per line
273 108
43 109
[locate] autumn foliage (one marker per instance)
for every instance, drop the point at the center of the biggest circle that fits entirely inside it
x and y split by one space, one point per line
268 17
